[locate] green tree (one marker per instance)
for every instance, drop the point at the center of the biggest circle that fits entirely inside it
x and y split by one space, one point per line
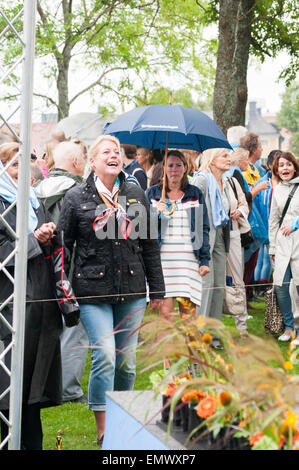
289 115
249 28
122 44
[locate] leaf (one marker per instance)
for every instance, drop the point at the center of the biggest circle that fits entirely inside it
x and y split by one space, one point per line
266 443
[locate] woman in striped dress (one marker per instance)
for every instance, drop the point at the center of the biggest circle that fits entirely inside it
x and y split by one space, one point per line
184 236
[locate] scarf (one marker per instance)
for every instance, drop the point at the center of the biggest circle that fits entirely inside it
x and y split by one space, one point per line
219 215
9 191
112 207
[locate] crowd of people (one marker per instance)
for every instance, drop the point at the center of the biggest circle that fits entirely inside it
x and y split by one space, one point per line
142 229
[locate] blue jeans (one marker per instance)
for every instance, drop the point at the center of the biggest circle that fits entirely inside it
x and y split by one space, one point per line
113 336
284 300
263 267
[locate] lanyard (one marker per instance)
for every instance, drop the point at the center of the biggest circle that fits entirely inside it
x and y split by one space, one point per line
113 207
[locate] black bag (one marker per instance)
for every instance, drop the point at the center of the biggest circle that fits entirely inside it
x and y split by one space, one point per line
247 239
66 299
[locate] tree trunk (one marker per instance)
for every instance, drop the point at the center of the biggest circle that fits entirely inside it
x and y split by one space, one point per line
63 91
63 62
230 92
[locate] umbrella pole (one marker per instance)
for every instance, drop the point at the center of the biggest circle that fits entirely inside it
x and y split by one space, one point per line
164 176
165 157
167 213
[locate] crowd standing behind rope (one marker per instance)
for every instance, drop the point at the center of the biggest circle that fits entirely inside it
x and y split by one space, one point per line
125 248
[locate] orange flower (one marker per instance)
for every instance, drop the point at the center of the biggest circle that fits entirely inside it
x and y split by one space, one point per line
288 365
207 338
171 388
186 375
253 440
207 406
289 423
193 396
281 442
225 398
296 441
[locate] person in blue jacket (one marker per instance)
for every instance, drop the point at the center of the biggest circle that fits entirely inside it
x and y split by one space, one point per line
263 267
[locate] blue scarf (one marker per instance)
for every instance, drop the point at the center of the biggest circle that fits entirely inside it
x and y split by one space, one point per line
9 191
219 215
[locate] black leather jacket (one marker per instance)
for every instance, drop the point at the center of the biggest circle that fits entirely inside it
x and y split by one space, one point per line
110 269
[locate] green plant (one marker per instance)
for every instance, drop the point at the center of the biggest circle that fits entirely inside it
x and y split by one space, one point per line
239 389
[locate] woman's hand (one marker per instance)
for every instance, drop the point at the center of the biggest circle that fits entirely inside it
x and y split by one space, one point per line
161 207
286 229
259 187
203 270
236 214
262 186
44 233
155 304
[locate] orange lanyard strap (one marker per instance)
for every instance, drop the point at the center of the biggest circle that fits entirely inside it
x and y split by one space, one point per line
113 207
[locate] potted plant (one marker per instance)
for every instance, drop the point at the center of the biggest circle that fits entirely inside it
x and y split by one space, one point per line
238 400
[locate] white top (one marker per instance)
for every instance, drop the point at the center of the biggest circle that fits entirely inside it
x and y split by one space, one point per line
179 264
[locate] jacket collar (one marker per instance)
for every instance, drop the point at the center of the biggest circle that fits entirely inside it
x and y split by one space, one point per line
61 172
90 183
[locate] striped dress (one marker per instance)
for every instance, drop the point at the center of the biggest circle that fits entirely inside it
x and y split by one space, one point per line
179 264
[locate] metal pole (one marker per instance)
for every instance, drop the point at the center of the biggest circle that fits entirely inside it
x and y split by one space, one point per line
20 274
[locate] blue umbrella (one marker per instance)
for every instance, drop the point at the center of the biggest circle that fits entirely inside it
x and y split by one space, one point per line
161 126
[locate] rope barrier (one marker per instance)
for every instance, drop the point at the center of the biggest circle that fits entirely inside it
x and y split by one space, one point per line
145 293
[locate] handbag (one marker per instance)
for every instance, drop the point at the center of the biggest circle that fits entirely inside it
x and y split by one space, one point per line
234 299
246 234
274 323
66 299
234 303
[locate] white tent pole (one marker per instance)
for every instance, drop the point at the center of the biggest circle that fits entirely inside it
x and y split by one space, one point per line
20 274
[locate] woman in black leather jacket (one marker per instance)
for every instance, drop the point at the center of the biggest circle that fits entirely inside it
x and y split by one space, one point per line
106 222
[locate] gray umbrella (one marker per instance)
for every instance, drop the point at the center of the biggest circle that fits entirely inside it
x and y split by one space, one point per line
85 126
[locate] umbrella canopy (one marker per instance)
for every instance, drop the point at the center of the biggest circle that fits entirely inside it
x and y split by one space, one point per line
163 126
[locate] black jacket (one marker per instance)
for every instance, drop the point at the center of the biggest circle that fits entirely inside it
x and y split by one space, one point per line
42 378
107 267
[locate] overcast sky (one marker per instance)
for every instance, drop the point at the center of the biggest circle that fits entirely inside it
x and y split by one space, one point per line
263 86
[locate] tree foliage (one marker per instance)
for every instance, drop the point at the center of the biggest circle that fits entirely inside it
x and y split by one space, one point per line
120 45
273 28
126 49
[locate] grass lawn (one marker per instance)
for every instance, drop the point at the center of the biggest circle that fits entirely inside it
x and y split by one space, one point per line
75 423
